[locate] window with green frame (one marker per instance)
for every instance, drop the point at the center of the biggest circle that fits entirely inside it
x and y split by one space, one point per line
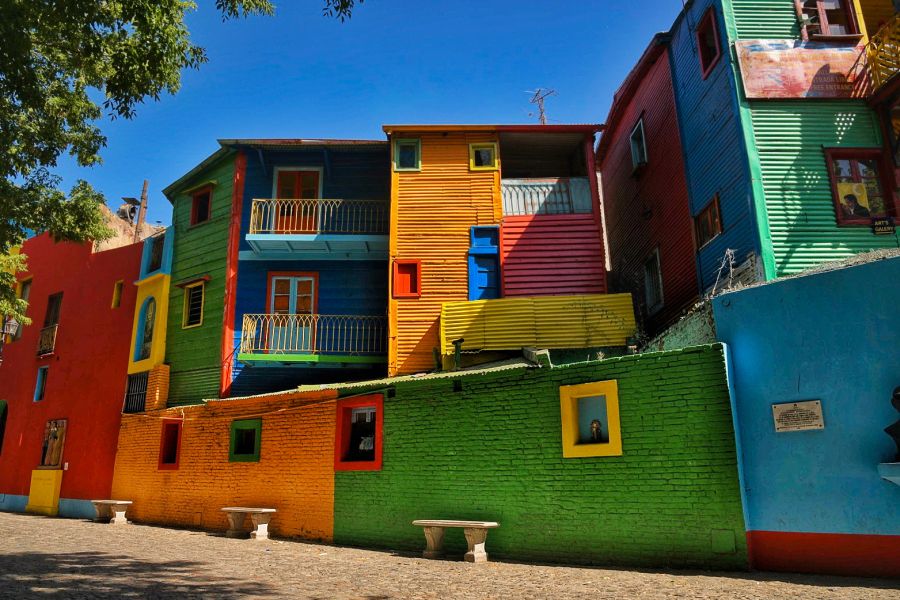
407 155
246 437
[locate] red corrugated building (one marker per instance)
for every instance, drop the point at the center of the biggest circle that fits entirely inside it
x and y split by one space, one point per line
62 380
645 198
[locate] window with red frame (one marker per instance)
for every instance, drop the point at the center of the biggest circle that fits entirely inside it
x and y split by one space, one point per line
407 279
708 224
708 42
170 445
857 185
359 434
827 19
201 206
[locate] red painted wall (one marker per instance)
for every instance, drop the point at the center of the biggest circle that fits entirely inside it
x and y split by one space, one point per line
86 380
650 209
546 255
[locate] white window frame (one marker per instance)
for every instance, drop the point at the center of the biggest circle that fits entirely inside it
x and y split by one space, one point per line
636 161
278 170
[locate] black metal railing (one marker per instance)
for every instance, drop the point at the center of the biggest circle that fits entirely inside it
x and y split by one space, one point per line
136 393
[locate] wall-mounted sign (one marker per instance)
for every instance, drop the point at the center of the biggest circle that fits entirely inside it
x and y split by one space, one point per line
798 416
795 69
883 226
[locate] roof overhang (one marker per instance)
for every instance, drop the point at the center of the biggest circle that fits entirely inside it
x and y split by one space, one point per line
588 128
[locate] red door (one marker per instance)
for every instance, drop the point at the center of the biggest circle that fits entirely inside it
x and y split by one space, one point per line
293 216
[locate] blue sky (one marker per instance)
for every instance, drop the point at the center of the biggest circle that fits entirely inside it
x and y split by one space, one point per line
299 74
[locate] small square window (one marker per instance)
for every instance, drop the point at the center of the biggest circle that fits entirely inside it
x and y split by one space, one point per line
170 445
857 185
708 42
118 287
638 146
41 385
483 157
653 289
358 435
407 279
590 420
708 224
407 155
201 206
245 440
828 20
193 305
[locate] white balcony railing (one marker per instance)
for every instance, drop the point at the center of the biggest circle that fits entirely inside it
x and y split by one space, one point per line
318 216
314 334
547 196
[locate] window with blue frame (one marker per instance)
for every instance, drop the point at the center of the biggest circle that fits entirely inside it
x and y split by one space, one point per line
146 324
41 384
484 263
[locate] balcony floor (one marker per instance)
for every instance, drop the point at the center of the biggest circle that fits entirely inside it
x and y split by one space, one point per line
317 246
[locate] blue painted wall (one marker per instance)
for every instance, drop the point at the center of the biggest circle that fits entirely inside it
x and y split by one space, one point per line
832 337
166 265
712 140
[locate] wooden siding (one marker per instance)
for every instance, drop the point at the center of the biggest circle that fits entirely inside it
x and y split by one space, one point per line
549 255
542 322
790 137
650 210
764 19
195 355
432 212
714 143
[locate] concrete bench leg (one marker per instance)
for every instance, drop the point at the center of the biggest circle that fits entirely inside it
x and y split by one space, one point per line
235 525
103 514
434 542
476 539
260 526
118 515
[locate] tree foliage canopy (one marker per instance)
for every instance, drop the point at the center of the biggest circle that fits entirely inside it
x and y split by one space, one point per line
64 64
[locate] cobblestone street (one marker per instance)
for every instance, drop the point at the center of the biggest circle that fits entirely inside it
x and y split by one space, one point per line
43 558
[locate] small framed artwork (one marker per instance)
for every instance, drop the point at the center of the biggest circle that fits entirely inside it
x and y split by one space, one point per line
590 419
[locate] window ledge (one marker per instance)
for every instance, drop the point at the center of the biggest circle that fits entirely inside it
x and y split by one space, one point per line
845 38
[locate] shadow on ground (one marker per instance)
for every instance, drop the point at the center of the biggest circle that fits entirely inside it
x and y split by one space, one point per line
101 575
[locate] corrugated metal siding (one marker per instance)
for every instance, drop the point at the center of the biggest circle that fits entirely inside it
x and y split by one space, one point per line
876 13
547 322
549 255
765 19
714 146
431 213
790 137
195 355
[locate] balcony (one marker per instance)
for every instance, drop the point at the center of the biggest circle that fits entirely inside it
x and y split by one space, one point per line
47 340
321 228
883 53
546 196
326 340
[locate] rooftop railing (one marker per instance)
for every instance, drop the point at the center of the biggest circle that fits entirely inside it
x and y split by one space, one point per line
314 334
287 216
546 196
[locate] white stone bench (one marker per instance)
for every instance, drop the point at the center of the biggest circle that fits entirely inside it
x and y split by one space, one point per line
259 516
476 536
111 511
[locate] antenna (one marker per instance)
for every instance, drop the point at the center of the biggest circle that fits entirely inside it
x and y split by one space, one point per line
539 95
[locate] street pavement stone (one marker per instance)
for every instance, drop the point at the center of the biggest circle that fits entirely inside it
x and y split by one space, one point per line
65 558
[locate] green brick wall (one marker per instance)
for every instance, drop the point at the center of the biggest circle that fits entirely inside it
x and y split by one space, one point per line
493 452
195 355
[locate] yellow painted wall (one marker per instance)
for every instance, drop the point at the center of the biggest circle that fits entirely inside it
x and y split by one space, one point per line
43 495
158 287
540 322
295 472
432 211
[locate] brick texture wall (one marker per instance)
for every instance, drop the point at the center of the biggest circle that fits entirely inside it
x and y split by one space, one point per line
295 473
492 451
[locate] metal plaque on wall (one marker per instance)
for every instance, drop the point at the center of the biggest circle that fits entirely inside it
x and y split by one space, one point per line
798 416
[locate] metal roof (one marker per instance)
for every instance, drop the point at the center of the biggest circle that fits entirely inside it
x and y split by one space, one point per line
288 142
529 127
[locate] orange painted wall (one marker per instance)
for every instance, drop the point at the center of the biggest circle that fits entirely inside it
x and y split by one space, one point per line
432 211
295 473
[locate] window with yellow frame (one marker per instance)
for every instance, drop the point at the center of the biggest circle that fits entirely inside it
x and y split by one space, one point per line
483 157
590 419
194 298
